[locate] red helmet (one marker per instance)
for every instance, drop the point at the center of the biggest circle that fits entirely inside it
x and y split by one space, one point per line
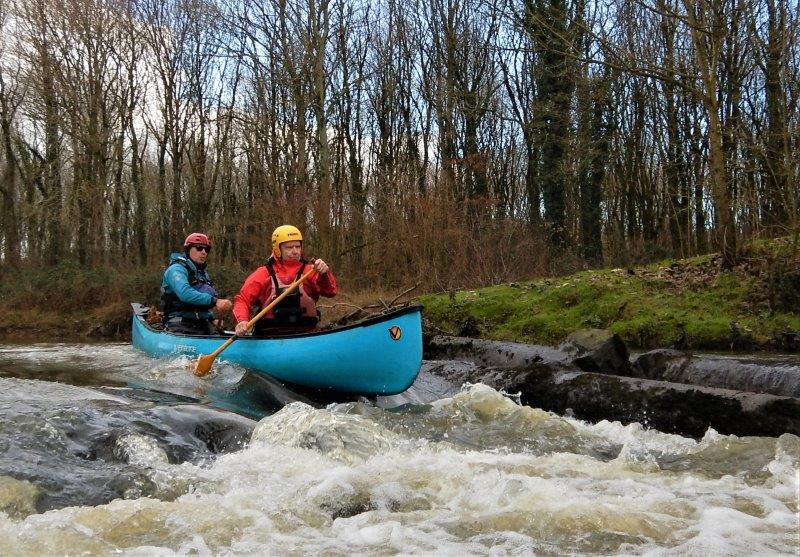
196 238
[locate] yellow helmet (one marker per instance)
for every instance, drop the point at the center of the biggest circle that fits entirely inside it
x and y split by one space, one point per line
284 233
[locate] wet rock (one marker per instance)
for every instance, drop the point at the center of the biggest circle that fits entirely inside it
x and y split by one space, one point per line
670 390
458 373
598 350
780 378
220 431
70 442
669 407
666 406
659 364
347 507
788 341
18 497
494 353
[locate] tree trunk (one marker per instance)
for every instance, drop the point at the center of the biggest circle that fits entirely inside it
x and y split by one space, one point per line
779 197
707 38
8 188
546 23
595 156
139 217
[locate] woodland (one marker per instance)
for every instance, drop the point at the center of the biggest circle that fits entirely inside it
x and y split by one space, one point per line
443 142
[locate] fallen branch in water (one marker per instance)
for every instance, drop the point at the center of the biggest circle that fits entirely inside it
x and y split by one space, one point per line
363 312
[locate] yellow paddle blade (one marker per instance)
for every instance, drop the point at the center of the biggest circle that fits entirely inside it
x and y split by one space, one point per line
203 365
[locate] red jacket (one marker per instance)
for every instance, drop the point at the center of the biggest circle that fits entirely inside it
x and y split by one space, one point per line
257 288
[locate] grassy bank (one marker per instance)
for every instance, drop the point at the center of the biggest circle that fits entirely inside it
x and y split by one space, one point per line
688 303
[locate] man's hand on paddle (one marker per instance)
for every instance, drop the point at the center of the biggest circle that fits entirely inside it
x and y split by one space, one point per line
320 266
241 328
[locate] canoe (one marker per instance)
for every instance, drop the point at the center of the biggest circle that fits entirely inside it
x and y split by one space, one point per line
378 356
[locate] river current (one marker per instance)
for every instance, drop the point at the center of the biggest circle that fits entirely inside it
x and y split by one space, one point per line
104 451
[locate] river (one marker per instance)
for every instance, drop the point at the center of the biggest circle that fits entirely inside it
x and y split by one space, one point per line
104 451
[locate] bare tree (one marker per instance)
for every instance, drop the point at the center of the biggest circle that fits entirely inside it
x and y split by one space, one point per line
9 186
623 131
42 160
167 32
460 81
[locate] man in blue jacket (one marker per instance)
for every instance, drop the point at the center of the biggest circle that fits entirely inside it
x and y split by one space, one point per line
187 294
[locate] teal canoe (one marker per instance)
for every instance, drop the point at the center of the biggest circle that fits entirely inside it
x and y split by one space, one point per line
379 356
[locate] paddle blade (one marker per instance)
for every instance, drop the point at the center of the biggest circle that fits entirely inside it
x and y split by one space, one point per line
203 365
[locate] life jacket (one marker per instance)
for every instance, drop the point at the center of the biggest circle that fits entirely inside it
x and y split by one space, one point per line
296 312
172 305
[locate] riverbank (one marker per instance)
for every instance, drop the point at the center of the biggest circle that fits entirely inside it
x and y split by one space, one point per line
69 303
687 304
690 304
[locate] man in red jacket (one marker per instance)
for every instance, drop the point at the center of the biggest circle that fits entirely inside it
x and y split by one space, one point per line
297 312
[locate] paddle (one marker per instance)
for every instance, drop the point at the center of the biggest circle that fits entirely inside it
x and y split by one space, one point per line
204 363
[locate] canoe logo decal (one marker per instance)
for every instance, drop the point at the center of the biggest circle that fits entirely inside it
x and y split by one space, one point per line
395 332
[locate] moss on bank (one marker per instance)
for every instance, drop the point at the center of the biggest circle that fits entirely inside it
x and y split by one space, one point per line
689 303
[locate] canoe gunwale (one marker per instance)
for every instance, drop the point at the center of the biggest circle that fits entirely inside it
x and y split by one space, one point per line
138 313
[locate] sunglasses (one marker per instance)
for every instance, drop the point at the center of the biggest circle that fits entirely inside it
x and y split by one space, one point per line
206 249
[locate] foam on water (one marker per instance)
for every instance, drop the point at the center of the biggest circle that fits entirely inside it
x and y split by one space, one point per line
117 364
343 437
346 480
140 450
55 352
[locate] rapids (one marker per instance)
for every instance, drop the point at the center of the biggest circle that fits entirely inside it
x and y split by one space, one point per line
106 452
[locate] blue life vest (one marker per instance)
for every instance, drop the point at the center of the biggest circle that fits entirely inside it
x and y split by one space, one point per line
172 305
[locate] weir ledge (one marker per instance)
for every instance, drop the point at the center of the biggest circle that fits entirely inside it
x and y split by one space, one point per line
591 377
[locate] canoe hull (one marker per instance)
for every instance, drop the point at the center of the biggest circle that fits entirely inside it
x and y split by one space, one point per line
380 356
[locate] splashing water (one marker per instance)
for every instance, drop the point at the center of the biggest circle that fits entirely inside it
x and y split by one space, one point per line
474 474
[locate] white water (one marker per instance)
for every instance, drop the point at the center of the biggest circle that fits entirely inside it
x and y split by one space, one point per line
475 474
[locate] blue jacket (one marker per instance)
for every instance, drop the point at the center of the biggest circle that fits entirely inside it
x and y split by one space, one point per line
187 291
